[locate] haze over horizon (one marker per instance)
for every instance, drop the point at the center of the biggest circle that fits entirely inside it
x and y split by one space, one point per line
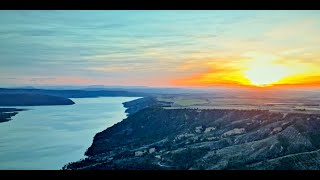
160 48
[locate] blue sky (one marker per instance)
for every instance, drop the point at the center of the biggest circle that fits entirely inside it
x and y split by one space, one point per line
146 47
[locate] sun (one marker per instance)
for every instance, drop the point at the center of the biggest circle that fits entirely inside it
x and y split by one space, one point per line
265 76
265 73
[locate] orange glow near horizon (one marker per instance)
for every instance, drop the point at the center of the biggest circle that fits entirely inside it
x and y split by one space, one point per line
258 71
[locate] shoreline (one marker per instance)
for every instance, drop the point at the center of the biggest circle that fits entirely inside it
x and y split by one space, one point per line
127 115
6 114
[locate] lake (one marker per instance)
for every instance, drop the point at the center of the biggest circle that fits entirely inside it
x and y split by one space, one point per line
48 137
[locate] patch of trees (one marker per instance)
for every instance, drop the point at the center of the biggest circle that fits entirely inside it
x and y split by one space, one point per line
187 158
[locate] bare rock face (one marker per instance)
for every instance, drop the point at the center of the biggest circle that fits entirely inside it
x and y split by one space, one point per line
209 129
234 132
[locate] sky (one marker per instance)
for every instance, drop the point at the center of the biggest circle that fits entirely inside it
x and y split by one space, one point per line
160 48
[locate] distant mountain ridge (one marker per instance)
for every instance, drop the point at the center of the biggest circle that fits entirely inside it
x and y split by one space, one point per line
72 93
32 100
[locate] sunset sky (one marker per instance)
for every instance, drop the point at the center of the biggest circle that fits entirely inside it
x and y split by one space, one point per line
160 48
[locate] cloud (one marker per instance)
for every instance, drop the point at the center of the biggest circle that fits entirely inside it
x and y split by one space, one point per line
150 47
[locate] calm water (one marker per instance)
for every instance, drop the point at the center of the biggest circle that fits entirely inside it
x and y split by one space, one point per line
48 137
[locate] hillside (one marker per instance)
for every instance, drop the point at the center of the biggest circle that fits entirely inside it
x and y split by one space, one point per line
157 138
142 103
